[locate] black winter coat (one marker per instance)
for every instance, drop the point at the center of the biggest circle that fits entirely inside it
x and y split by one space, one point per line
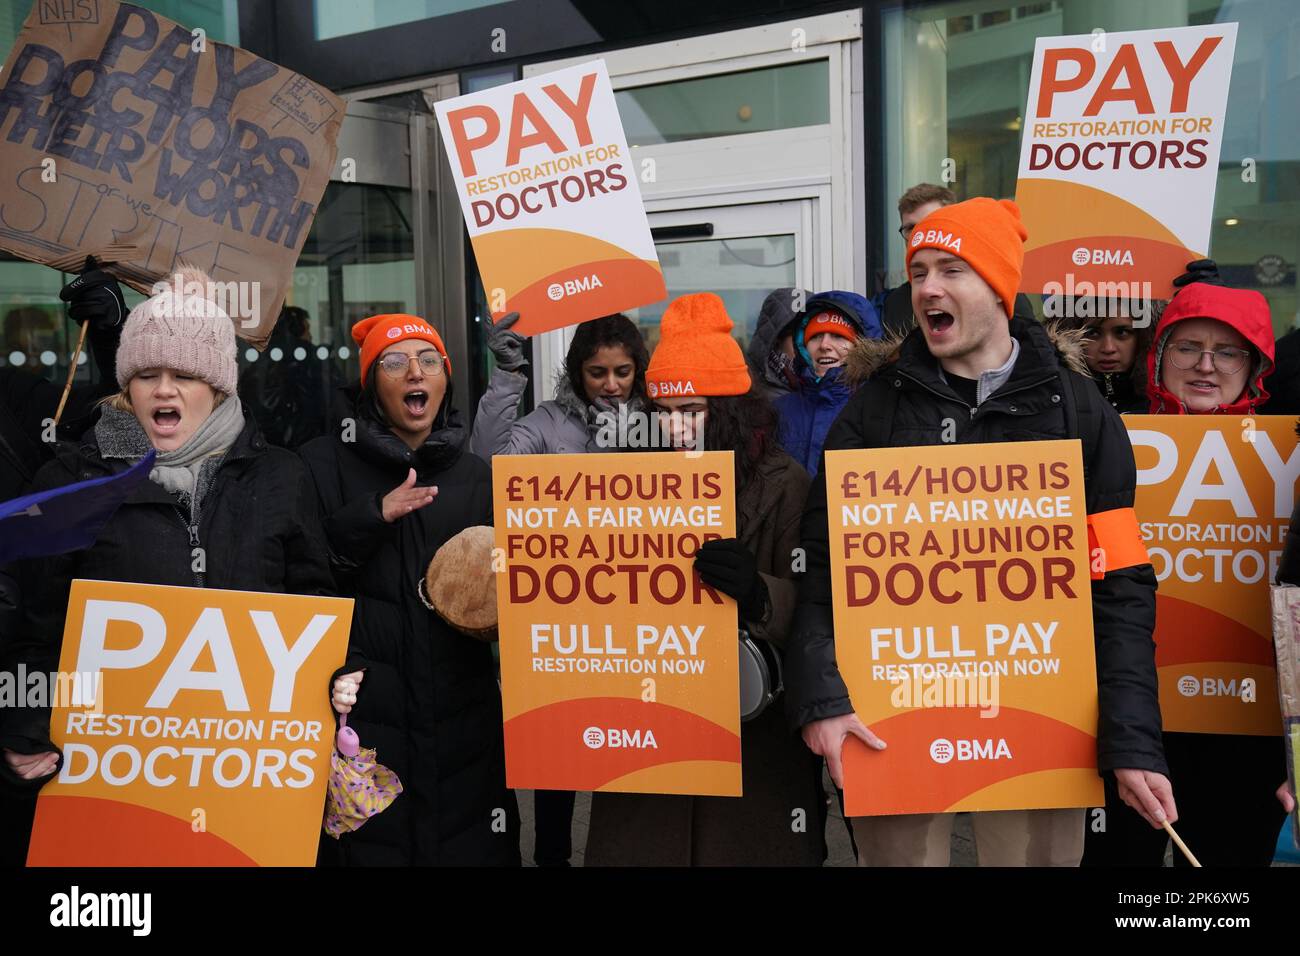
1031 405
429 702
258 527
1120 390
1288 571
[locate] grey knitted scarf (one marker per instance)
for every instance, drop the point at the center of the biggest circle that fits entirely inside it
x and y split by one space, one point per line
187 471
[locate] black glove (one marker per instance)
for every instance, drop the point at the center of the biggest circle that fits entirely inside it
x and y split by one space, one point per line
95 297
1202 270
507 346
728 566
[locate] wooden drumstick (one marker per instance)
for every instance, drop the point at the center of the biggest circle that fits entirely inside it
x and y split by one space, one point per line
1178 841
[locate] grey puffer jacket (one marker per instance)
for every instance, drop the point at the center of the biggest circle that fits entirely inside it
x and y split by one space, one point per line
558 427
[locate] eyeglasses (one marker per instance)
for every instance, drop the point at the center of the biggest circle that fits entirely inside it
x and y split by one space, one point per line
396 364
906 231
1186 356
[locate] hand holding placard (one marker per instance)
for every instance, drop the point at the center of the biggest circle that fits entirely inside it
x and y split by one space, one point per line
35 766
825 738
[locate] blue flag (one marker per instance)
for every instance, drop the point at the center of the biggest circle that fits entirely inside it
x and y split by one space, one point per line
65 519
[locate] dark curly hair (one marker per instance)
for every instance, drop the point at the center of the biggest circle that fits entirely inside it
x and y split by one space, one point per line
595 334
744 424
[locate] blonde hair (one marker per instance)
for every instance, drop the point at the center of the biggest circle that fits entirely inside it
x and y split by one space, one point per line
121 401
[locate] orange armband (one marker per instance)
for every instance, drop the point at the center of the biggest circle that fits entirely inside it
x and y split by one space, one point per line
1114 542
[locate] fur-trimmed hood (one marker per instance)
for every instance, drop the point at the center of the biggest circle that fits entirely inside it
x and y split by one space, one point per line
869 356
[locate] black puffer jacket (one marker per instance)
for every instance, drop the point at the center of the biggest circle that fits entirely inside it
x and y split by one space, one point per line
429 702
1288 571
258 527
1032 405
1121 392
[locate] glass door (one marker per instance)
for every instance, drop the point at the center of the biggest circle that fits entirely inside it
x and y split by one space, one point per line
740 252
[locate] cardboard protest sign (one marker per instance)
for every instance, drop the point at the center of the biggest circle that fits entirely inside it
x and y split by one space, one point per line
201 731
124 135
963 626
1214 498
619 667
550 197
1119 158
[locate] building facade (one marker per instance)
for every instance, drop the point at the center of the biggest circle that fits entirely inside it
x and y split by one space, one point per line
771 141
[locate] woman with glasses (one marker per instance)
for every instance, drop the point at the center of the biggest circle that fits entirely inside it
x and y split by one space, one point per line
395 482
1213 348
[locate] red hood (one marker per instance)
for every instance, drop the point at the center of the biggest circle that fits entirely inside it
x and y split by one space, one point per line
1243 309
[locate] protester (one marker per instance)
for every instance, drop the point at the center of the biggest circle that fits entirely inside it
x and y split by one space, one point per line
825 333
289 388
394 483
1288 572
779 776
1285 387
771 351
603 370
29 400
913 206
1213 348
973 365
1115 348
605 365
215 488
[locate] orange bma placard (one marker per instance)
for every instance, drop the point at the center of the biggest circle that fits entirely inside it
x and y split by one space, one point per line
206 738
619 666
551 198
963 626
1214 499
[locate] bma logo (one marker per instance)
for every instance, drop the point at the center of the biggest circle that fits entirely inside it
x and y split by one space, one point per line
665 389
1102 257
1190 686
937 237
557 291
409 329
943 751
615 738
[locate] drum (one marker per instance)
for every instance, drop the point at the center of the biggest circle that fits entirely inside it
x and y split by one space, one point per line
760 676
459 585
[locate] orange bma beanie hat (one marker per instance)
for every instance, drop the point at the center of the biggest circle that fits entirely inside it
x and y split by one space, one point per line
985 233
696 354
376 333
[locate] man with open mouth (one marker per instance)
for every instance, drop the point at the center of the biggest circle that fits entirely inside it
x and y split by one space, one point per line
975 372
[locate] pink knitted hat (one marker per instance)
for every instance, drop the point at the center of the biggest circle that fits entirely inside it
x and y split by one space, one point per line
181 328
